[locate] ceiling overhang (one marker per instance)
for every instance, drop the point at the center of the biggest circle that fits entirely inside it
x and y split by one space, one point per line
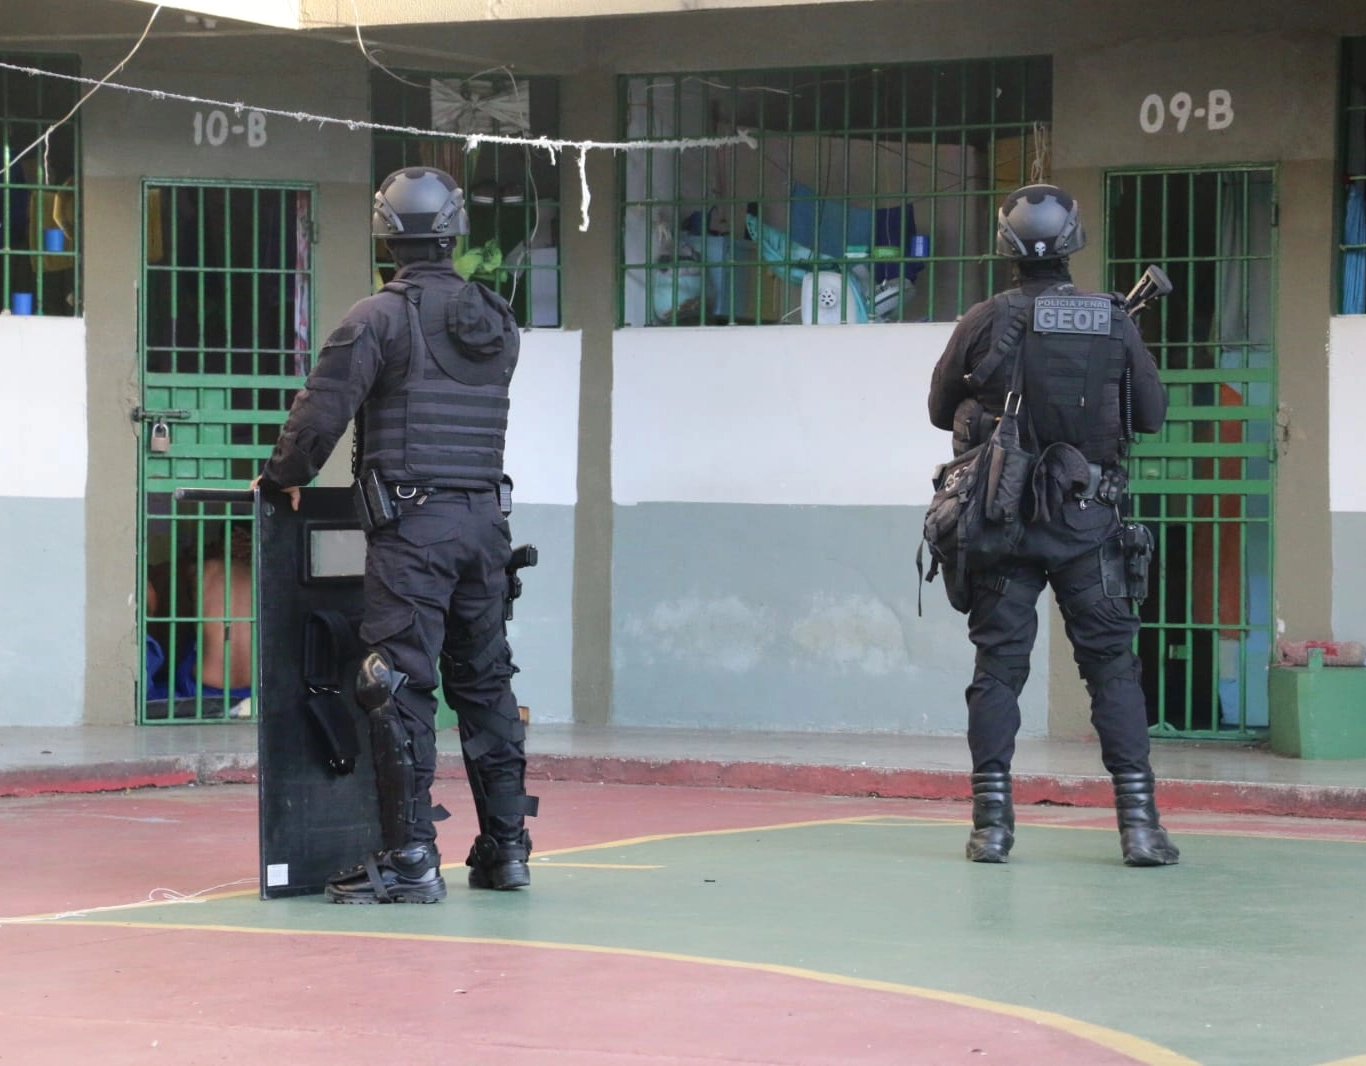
346 14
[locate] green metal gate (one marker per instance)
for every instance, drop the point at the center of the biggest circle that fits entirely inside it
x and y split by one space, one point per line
1204 484
225 340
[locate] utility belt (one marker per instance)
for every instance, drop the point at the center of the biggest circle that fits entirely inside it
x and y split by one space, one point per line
379 504
1106 485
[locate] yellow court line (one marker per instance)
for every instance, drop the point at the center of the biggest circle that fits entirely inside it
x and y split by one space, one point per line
1137 1048
63 915
627 842
1143 1051
1249 834
883 821
81 912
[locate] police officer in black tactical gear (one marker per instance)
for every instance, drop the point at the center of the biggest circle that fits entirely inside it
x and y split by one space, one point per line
424 367
1076 348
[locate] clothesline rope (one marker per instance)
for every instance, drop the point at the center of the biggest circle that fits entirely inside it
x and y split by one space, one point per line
552 145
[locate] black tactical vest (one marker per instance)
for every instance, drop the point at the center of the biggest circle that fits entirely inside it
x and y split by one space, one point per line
1074 367
446 425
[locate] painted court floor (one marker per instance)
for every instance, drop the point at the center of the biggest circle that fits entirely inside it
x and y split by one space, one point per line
686 925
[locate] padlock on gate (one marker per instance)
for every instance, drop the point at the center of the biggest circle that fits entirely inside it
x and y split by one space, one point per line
160 441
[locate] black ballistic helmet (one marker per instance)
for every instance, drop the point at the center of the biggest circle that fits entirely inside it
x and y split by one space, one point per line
419 203
1038 222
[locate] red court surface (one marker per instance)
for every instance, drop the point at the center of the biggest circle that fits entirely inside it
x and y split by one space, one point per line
664 925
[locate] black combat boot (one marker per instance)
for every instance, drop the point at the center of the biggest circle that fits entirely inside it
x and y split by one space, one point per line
993 818
500 864
410 874
1142 838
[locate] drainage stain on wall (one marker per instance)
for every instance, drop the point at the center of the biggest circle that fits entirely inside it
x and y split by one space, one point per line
726 633
853 634
848 634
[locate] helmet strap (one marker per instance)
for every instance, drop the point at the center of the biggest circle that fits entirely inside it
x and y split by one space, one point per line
431 250
1042 269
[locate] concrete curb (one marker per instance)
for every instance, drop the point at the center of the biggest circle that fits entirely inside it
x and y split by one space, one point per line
160 771
1213 797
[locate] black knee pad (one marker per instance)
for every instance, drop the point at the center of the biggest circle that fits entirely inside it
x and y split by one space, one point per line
1126 665
1010 670
469 664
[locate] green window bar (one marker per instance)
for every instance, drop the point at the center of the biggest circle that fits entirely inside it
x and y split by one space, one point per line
1204 485
512 192
39 189
1352 197
871 197
225 337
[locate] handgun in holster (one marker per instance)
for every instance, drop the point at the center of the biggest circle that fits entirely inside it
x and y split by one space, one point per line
1138 553
523 555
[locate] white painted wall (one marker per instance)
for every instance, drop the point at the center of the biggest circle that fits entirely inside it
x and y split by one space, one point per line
1346 412
42 520
776 414
543 460
42 362
542 454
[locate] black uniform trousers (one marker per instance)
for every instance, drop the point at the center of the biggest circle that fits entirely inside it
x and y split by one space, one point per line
436 576
1063 552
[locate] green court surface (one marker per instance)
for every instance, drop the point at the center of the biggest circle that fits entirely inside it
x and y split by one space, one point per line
1249 952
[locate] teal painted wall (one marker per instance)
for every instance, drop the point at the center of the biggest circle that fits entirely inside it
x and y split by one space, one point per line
788 617
540 631
42 626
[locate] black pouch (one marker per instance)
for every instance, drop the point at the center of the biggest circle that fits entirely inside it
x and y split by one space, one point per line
948 522
374 506
330 646
993 525
953 483
1113 482
1009 467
